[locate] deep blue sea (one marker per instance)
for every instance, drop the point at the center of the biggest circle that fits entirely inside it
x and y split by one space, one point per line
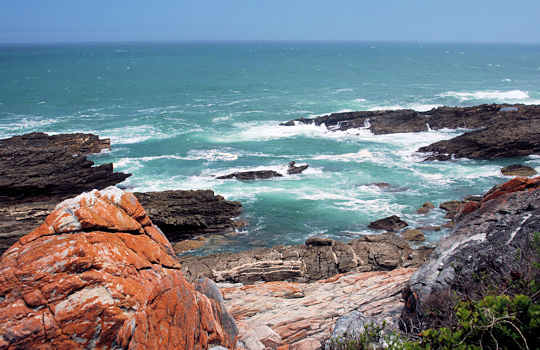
178 114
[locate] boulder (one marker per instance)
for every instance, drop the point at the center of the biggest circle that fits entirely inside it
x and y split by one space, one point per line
38 167
518 170
425 208
98 274
251 175
413 235
391 224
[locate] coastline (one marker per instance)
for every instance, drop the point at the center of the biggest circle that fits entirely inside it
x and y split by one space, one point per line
367 274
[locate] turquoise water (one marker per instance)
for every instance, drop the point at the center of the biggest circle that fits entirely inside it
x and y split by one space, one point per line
180 113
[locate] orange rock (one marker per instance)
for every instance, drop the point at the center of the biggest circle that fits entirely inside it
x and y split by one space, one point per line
97 273
514 185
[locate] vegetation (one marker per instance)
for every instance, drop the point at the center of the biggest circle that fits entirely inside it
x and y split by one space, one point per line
503 314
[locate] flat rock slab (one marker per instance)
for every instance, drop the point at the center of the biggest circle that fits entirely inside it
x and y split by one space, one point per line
305 313
518 170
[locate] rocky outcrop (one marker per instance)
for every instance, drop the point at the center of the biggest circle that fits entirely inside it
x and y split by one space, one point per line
251 175
518 170
302 316
506 130
390 224
98 274
425 208
39 167
503 138
315 260
485 240
184 214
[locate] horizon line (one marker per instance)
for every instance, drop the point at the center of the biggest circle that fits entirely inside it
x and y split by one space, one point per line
150 41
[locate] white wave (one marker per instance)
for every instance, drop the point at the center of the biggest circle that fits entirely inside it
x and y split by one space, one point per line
359 100
506 79
414 106
359 156
343 90
210 155
41 102
221 119
137 134
487 95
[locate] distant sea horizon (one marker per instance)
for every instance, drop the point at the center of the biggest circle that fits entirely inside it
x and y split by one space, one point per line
180 113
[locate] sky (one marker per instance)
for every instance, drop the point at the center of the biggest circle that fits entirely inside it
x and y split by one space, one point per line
43 21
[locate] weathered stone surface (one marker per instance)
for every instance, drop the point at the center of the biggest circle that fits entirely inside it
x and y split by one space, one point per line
507 130
184 214
391 224
348 326
413 235
98 273
306 263
518 170
251 175
38 167
484 240
303 315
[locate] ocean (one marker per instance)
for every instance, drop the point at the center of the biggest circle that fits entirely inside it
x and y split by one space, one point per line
180 114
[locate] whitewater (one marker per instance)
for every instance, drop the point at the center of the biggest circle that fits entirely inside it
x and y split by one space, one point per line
181 114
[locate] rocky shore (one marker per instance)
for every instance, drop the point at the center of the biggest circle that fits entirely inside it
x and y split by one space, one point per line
99 270
500 130
38 171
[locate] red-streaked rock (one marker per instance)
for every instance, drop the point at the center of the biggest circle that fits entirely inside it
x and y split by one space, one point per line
303 314
97 273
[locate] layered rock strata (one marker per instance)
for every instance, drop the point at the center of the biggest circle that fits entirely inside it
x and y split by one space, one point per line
39 167
98 274
302 315
505 130
315 260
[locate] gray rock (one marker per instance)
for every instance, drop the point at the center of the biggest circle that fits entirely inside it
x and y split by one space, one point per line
348 326
251 175
484 241
391 224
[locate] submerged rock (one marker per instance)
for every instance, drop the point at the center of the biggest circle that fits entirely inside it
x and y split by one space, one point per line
39 167
518 170
391 224
425 208
98 274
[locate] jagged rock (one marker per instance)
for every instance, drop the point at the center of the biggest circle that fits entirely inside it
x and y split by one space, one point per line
318 241
39 167
182 215
507 130
98 274
306 321
293 169
484 241
306 263
451 205
391 224
251 175
413 235
429 228
518 170
425 208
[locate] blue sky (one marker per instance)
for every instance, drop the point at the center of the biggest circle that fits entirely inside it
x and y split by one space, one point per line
145 20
